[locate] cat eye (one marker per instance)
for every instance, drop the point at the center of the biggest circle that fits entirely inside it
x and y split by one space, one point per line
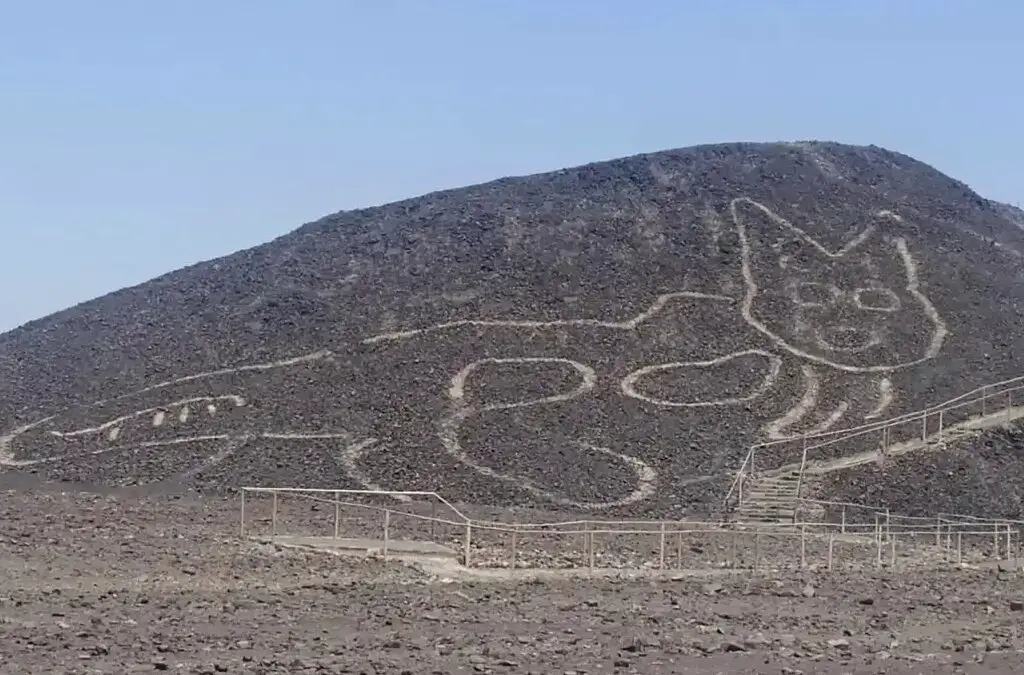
876 300
813 294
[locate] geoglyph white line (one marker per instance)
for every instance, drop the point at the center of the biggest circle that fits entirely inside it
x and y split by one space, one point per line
912 286
9 461
628 383
775 430
451 425
588 379
270 365
228 450
885 397
646 477
6 456
157 420
351 454
659 304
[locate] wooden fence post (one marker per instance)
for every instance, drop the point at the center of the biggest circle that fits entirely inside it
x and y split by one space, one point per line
803 547
273 515
337 514
515 530
661 552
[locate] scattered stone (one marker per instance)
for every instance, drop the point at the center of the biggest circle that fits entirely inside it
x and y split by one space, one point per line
713 588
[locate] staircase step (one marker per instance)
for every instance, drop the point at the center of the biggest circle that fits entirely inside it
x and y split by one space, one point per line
769 500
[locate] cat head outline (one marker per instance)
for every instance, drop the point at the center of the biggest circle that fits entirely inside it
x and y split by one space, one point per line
858 308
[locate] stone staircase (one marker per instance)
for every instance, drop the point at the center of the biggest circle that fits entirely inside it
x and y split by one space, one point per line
773 497
769 498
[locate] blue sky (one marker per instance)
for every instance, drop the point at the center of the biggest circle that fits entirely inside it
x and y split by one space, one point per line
140 136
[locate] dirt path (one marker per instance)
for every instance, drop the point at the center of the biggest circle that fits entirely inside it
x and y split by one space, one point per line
110 584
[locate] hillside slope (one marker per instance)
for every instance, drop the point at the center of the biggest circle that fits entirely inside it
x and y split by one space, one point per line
982 476
611 336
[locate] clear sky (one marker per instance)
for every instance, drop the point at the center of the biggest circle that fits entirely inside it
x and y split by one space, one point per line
139 136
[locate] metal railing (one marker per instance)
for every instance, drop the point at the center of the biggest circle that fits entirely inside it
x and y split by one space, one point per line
860 536
988 402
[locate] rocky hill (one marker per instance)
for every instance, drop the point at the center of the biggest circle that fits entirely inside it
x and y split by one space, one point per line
608 337
980 476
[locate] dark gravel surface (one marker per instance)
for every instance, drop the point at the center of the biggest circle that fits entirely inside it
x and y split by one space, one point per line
118 584
601 241
979 476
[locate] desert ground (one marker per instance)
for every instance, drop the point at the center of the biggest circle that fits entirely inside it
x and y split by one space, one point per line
118 582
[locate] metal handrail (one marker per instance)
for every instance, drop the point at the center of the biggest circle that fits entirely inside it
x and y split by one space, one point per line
974 396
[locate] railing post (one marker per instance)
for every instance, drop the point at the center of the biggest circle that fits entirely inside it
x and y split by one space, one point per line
661 552
878 540
800 478
924 428
515 530
586 541
387 531
1009 405
468 541
803 547
984 397
273 515
433 519
337 514
241 531
940 426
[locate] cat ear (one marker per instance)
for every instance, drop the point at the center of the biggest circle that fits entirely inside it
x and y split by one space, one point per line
765 234
767 246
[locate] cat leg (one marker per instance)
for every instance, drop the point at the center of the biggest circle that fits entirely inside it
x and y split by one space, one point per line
517 441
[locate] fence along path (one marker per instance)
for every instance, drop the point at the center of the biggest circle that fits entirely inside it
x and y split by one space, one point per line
648 544
327 519
754 492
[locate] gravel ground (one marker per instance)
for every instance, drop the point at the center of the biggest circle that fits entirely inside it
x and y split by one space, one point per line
118 583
